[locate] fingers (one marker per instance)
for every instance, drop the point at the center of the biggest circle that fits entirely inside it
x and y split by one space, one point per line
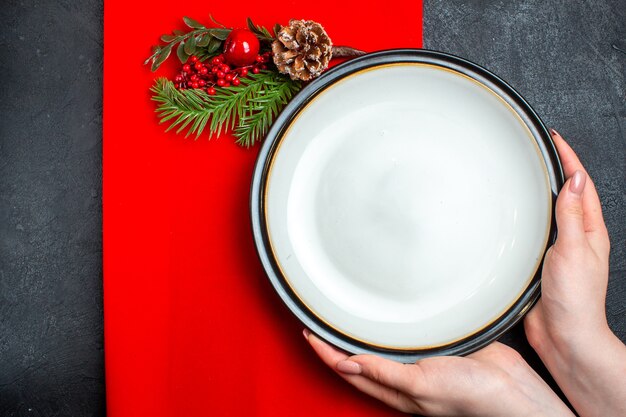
405 378
593 220
345 367
568 157
570 213
382 371
328 354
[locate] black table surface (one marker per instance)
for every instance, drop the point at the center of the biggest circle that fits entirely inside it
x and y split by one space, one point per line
563 56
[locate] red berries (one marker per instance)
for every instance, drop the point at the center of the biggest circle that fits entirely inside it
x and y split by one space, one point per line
241 47
208 74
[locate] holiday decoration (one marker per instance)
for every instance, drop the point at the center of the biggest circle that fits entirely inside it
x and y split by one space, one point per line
238 79
241 47
302 50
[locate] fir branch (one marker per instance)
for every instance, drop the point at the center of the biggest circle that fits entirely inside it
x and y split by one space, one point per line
263 108
248 109
181 107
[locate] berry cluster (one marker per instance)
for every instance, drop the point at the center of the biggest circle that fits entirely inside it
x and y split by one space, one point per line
208 74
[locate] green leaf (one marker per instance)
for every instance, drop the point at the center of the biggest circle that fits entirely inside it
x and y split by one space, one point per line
220 34
214 45
251 25
167 38
178 32
161 57
180 51
190 45
262 33
266 33
203 40
192 23
150 58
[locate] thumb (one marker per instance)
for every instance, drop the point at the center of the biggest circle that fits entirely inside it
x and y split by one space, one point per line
569 211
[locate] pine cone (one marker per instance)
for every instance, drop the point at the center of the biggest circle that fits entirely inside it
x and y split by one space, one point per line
302 50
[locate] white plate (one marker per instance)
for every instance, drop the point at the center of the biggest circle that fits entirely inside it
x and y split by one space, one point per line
407 206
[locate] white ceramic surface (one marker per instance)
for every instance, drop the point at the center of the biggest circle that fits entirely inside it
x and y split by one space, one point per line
408 206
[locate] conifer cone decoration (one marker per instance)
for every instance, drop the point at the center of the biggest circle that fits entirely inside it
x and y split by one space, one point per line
302 50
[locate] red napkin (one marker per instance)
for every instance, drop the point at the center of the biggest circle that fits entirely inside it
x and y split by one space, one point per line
192 325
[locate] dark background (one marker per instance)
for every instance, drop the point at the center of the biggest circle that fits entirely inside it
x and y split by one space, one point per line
560 55
51 317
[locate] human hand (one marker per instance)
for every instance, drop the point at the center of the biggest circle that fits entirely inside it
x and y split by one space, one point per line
494 381
568 326
576 267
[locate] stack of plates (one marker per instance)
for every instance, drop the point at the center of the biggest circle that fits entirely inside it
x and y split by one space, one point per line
402 204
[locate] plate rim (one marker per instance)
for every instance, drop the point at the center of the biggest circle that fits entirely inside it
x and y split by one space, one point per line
468 343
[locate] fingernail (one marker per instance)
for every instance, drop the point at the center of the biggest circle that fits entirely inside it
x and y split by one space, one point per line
349 367
554 132
306 334
577 183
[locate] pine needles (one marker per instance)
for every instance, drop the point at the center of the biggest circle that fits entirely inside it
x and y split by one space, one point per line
248 110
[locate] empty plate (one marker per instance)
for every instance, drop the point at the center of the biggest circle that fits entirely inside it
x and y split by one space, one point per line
402 204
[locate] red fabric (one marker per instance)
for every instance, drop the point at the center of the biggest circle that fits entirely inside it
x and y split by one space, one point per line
192 325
